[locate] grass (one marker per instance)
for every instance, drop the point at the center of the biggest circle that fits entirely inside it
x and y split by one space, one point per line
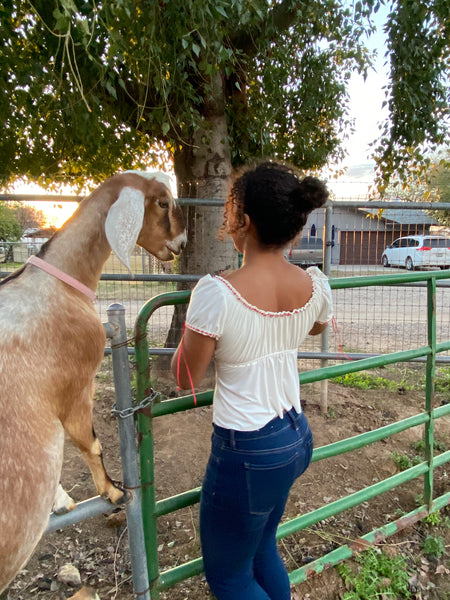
384 573
434 545
132 290
438 446
363 380
406 461
377 576
442 382
433 519
9 266
407 379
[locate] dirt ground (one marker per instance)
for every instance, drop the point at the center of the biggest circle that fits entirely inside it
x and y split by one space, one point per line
99 548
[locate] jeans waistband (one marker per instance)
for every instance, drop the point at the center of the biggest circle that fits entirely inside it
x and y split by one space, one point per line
290 418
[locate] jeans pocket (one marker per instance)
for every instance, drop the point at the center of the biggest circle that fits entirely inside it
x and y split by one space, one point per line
268 484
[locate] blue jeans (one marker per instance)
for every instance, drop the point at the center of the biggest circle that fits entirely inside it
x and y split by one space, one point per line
247 482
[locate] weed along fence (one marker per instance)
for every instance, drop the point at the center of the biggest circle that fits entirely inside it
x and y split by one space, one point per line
157 407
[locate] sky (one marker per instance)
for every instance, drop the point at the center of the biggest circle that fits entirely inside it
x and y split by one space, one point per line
366 98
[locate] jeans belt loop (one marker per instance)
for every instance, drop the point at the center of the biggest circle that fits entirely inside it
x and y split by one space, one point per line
232 439
292 419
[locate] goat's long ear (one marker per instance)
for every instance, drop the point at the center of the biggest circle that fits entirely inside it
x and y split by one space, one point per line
124 222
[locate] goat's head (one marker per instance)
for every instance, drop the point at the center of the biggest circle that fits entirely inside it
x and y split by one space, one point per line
145 213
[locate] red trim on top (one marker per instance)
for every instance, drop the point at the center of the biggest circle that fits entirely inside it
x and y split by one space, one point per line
268 313
197 330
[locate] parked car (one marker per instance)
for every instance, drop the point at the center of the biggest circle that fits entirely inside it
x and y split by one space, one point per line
306 252
415 251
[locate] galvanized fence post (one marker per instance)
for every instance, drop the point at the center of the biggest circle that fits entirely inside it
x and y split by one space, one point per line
124 408
429 390
145 426
324 343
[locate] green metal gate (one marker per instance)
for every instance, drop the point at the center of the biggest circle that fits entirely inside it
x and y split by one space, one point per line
153 508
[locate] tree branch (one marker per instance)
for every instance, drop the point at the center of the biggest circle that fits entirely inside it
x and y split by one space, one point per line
280 18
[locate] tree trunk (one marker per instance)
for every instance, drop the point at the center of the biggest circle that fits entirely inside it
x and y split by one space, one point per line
202 170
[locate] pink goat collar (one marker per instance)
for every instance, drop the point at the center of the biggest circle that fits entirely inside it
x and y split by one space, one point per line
48 268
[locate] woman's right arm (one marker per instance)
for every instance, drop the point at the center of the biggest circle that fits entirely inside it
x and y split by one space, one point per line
204 320
192 358
326 313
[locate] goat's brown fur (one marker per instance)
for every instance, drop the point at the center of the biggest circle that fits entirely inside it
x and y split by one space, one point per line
51 344
85 593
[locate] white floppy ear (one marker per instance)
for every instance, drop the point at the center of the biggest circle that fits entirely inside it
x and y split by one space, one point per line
124 222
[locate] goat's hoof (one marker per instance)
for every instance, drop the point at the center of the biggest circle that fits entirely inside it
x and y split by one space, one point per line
63 503
86 593
62 510
124 499
117 494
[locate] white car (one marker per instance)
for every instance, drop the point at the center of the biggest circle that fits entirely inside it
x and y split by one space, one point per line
415 251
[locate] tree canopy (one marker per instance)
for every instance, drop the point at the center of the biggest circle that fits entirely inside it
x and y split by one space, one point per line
440 179
28 216
93 87
418 37
439 187
10 228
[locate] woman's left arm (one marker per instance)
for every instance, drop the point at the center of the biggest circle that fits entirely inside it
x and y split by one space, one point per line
318 328
194 352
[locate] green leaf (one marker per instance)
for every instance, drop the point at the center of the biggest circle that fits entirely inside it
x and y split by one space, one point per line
285 72
111 89
221 10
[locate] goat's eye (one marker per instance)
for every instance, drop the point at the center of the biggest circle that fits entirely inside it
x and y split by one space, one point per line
163 203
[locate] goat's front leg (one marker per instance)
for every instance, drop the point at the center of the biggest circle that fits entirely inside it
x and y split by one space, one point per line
78 424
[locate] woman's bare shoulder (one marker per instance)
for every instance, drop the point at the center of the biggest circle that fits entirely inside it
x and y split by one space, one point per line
227 273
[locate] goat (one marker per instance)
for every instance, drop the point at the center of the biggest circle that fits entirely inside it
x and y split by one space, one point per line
51 344
85 593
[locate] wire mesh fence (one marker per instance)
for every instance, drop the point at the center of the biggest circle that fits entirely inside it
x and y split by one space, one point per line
356 236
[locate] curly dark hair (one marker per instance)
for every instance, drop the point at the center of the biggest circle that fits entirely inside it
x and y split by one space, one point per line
277 200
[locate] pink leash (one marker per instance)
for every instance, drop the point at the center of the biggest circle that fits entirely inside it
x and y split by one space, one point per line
51 270
340 345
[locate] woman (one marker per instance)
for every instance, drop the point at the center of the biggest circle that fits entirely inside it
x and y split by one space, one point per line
252 322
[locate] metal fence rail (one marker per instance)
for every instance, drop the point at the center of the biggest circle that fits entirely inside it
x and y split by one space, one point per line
153 508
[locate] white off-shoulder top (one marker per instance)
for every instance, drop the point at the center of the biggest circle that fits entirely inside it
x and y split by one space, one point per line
256 351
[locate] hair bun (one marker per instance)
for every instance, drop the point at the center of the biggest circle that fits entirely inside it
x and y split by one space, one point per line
313 193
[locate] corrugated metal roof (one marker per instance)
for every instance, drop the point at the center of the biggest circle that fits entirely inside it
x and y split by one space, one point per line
403 216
